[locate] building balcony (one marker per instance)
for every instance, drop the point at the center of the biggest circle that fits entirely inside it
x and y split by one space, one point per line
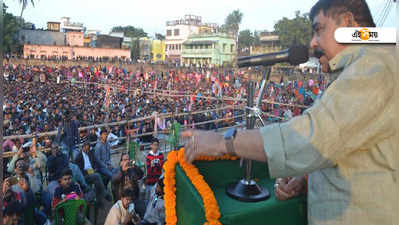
209 51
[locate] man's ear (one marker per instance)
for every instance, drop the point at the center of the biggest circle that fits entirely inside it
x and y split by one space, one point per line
348 20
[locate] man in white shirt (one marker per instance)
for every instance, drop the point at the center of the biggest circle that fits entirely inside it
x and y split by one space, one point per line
122 212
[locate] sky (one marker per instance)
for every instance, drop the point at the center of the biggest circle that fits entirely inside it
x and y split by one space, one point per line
152 15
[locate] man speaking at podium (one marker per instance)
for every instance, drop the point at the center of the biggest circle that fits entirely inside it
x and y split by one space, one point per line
347 142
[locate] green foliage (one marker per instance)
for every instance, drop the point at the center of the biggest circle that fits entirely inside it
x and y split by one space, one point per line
24 3
256 39
159 36
233 21
135 50
12 25
245 39
130 31
294 31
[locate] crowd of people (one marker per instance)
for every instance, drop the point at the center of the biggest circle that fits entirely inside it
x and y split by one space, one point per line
63 99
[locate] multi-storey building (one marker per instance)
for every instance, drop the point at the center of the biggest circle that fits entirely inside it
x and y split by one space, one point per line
177 32
208 49
270 42
53 26
158 50
67 25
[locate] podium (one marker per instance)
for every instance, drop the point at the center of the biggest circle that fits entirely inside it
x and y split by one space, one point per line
190 209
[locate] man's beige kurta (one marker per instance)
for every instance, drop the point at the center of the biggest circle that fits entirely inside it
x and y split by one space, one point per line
348 142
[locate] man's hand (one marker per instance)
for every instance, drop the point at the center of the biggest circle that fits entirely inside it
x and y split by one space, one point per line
289 187
20 152
129 217
125 165
202 143
6 185
23 184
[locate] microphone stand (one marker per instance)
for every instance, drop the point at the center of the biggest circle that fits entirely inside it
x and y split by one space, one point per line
246 189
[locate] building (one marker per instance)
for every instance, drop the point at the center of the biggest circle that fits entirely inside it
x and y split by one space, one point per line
117 34
177 32
41 37
107 41
270 42
74 39
208 49
71 52
53 26
158 50
145 48
66 25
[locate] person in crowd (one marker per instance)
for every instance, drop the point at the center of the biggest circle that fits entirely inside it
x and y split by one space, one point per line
103 154
155 212
19 183
154 163
56 163
67 189
68 135
12 214
37 159
128 176
123 211
88 163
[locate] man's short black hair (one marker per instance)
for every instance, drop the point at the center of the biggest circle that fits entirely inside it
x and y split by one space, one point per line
332 8
154 139
127 192
23 160
103 131
66 172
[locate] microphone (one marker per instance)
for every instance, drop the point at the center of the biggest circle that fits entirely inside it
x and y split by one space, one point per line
294 55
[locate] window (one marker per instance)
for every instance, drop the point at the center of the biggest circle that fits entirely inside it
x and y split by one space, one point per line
231 48
224 47
176 32
168 32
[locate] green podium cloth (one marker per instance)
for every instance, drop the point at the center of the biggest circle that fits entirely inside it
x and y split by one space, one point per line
190 209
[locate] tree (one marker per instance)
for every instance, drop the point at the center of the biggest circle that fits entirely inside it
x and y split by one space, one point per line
256 39
245 39
135 50
24 3
12 26
130 31
294 31
233 21
159 36
232 24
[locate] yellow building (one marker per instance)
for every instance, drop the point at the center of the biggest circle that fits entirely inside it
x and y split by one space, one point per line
158 50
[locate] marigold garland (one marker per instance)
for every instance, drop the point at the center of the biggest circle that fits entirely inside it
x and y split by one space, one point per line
212 213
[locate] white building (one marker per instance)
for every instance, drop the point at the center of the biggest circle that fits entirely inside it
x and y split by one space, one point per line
177 32
67 25
117 34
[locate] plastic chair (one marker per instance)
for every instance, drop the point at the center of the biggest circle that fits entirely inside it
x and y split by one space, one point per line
29 215
70 209
174 135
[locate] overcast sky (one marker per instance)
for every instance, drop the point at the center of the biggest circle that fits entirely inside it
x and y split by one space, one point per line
152 15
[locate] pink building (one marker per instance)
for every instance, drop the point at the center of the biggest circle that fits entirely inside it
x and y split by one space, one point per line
70 52
74 38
